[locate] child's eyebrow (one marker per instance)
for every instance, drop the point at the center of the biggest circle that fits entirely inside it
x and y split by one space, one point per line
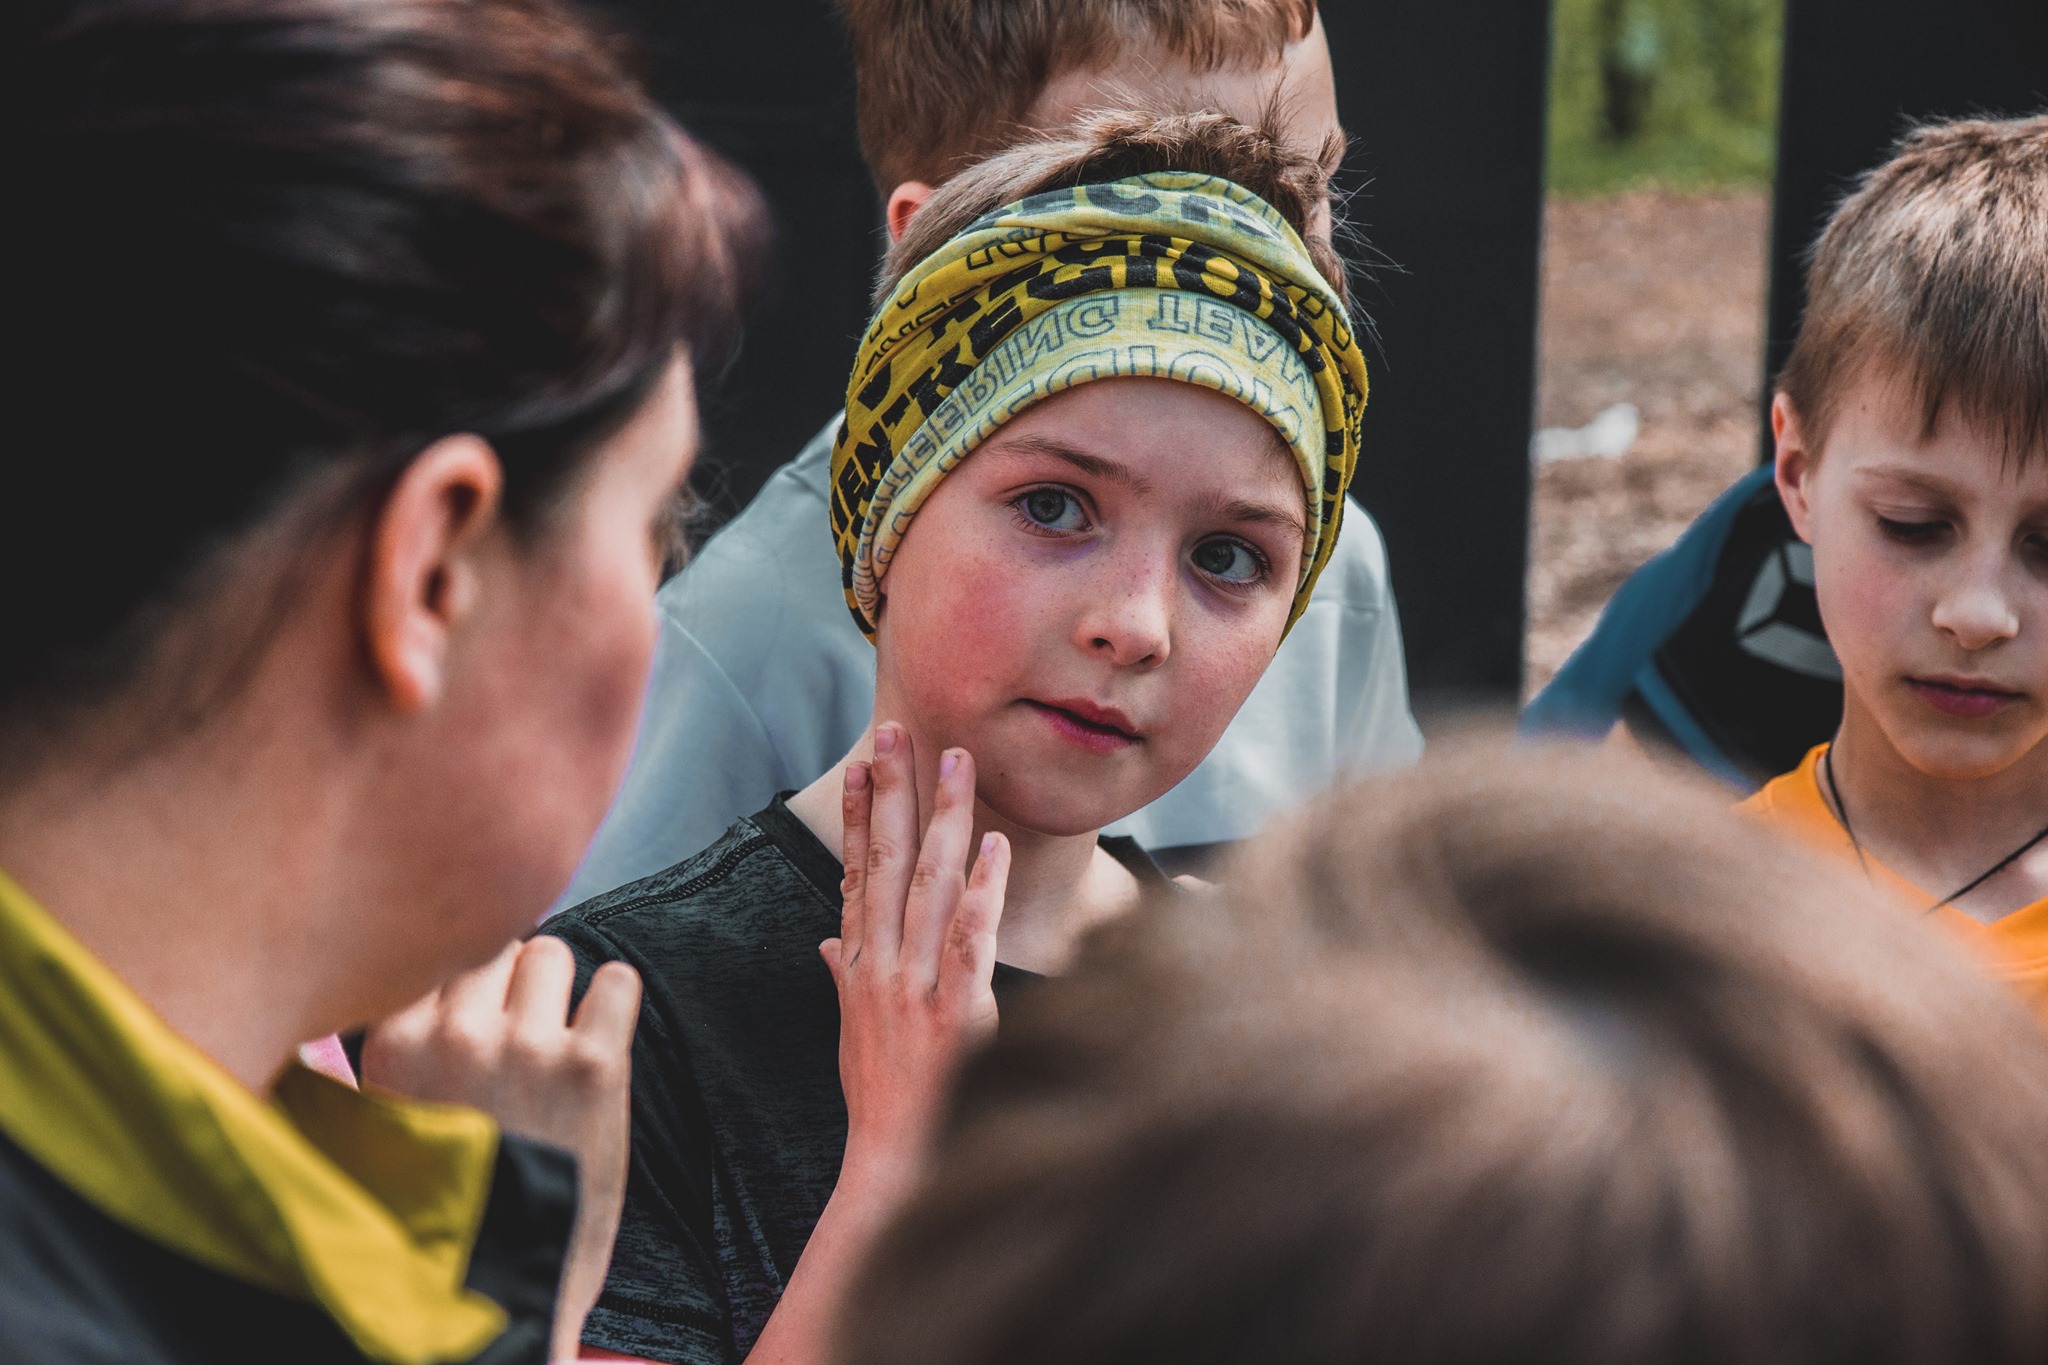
1913 478
1096 465
1290 516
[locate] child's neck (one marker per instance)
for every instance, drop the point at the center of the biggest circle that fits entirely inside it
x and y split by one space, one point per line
1940 833
1060 886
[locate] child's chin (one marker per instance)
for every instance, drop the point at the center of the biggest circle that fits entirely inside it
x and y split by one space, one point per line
1949 756
1056 814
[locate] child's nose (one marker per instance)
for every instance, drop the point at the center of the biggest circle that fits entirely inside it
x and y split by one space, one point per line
1131 618
1977 611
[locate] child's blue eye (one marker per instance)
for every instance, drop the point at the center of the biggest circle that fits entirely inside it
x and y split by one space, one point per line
1911 532
1233 561
1055 509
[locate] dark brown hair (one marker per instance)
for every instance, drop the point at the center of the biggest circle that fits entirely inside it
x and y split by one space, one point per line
942 83
263 243
1514 1059
1111 145
1936 270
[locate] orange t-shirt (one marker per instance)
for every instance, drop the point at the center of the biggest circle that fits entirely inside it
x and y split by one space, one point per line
2016 947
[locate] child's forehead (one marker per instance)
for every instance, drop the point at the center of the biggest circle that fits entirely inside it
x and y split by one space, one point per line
1180 428
1885 415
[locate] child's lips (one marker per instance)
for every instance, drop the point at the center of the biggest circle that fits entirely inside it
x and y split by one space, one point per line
1093 728
1971 698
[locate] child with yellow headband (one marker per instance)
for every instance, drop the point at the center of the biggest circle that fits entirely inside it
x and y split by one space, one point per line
1096 448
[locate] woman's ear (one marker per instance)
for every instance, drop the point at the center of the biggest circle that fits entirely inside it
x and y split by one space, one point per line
904 202
1795 462
424 578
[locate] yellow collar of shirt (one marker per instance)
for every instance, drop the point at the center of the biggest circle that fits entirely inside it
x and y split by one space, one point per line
365 1205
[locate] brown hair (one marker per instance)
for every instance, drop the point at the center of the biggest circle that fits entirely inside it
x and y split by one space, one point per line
1109 146
270 245
1936 269
1514 1059
942 83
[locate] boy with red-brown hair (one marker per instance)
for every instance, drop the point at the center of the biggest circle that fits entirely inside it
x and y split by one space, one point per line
762 680
1912 428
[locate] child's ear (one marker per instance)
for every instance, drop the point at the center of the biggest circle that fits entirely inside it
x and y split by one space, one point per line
1795 463
904 202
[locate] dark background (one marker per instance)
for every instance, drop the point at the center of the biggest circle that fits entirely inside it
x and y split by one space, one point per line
769 83
1444 100
1445 103
1856 72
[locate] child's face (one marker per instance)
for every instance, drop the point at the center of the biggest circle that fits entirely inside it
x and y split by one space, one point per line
1931 566
1087 600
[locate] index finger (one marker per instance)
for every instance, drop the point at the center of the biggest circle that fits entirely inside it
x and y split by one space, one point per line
543 975
893 839
611 1007
482 990
855 805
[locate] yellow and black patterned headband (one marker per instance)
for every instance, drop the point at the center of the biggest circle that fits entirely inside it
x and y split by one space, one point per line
1168 276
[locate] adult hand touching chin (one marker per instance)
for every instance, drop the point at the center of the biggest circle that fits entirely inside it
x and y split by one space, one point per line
500 1039
914 964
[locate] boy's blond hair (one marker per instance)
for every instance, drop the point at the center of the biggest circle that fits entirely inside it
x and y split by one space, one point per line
1515 1058
1108 146
1935 269
944 82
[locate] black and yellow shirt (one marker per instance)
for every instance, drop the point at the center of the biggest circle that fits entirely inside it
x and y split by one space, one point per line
155 1212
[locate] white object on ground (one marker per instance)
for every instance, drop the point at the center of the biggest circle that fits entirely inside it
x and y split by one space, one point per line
1608 436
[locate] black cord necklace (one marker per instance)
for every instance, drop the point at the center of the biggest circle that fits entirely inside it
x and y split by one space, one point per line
1827 766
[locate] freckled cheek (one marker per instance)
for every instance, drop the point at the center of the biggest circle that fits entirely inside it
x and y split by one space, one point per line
1213 683
972 614
1869 604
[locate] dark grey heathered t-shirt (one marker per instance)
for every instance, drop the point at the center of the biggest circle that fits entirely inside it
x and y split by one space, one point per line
738 1120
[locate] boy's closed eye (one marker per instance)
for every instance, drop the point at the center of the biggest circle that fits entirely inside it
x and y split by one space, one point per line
1912 530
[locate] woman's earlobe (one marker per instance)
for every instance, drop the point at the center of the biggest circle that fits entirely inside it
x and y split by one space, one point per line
424 578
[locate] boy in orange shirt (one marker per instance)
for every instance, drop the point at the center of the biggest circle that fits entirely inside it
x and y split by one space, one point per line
1912 455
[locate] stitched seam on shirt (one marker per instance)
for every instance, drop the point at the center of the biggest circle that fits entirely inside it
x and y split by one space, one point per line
718 872
656 1312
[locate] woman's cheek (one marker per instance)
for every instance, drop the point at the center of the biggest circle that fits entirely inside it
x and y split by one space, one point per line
605 647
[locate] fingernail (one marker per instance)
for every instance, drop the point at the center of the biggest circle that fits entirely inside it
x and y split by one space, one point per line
988 843
856 777
885 740
947 762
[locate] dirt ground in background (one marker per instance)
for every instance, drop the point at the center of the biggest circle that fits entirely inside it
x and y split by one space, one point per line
1658 300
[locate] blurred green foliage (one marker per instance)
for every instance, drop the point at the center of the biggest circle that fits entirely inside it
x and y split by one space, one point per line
1676 93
